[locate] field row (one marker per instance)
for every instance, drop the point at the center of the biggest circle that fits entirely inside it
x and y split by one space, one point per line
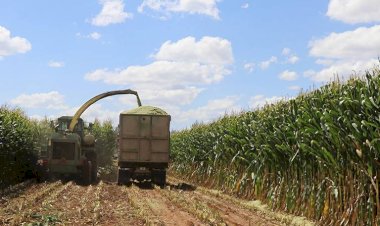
140 204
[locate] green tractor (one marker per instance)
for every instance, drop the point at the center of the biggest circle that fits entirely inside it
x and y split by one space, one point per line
71 152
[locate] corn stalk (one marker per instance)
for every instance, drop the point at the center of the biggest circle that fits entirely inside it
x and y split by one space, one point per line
316 155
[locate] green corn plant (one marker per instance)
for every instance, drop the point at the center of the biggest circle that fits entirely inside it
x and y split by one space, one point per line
316 155
20 139
16 146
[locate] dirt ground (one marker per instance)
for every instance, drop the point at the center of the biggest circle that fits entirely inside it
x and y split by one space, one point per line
106 203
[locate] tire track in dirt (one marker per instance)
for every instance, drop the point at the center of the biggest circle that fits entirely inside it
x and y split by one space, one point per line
233 214
157 209
115 207
141 204
70 204
46 208
15 190
199 209
64 208
101 204
33 189
230 213
14 210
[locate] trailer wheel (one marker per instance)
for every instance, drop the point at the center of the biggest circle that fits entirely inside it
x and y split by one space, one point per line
159 177
124 177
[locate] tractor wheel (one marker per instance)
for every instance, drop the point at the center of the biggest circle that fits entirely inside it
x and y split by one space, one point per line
86 173
94 167
41 173
94 171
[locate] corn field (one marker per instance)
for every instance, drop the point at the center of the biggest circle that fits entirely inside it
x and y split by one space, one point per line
316 155
105 146
18 143
22 139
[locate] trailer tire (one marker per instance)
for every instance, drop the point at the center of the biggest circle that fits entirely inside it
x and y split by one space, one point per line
124 177
159 177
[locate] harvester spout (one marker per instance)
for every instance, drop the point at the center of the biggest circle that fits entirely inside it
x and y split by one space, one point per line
96 98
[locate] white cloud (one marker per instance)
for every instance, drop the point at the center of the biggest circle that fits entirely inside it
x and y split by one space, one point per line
286 51
205 7
12 45
249 67
291 58
288 75
296 88
180 71
56 64
97 111
354 11
208 50
341 69
260 101
325 62
359 44
180 118
211 111
265 64
38 117
309 73
51 100
163 97
165 74
245 6
344 53
112 13
95 35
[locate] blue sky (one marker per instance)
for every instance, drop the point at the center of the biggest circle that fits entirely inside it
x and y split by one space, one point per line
197 59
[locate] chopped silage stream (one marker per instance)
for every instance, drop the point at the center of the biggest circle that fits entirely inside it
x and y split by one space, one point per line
106 203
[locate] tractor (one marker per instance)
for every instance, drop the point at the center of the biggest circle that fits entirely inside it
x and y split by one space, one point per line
71 152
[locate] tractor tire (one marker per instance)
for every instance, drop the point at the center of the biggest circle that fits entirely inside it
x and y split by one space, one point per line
41 173
86 173
92 156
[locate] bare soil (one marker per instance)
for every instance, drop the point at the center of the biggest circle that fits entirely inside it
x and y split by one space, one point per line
106 203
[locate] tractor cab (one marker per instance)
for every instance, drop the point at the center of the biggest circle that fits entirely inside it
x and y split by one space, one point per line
63 123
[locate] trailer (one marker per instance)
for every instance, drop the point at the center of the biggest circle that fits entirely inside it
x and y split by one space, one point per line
144 145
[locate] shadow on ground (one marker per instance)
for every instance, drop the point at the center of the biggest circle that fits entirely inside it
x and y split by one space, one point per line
182 186
65 180
146 185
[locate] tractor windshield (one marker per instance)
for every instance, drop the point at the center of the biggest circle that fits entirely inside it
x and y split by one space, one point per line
63 125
